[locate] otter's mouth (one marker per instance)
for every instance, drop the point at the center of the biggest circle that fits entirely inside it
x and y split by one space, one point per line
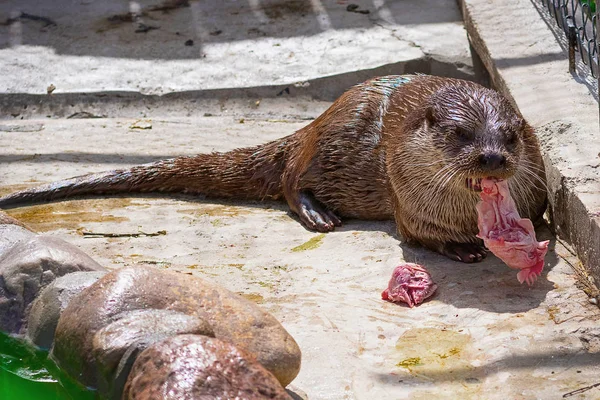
473 184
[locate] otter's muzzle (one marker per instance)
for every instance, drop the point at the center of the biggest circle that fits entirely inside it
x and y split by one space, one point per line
492 161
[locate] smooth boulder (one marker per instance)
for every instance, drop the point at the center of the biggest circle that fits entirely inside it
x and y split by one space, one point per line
191 367
29 266
116 346
11 235
51 302
232 318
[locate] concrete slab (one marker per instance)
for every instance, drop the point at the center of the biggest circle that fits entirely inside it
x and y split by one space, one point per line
165 46
482 336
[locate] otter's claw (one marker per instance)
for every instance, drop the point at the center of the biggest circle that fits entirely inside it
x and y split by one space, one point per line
465 252
315 216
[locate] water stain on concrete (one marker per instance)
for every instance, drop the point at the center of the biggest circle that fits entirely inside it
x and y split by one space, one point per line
433 353
69 214
253 297
8 189
216 210
263 284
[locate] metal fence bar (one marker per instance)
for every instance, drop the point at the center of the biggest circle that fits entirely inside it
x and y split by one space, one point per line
579 20
596 30
572 39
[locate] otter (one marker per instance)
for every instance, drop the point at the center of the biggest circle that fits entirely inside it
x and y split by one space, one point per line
409 147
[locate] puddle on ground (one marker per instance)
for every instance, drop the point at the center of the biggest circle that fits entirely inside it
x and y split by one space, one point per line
69 214
435 354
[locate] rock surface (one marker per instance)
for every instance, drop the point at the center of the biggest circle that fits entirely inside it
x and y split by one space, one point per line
48 306
12 234
116 346
30 265
232 318
197 367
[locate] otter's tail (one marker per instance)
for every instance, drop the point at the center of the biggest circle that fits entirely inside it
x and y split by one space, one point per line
248 173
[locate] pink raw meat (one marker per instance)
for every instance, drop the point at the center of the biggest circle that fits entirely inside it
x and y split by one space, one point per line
507 235
410 284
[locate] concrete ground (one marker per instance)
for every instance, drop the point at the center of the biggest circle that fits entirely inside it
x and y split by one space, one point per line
481 336
83 46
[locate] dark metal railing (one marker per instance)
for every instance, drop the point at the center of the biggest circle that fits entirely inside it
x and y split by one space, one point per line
579 20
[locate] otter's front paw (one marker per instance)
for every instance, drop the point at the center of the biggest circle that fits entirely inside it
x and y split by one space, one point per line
465 252
315 216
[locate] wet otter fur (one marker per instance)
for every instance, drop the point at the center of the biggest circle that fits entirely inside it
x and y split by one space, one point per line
408 147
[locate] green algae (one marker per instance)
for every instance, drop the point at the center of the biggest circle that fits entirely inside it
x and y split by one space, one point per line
263 284
311 244
409 362
452 352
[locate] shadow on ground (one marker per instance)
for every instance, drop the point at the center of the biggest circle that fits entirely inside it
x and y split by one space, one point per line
557 361
488 285
177 29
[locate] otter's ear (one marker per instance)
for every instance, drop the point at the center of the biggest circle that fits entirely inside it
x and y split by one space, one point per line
429 116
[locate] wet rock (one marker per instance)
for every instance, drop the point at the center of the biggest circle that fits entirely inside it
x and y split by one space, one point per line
232 318
47 307
116 346
29 266
296 393
190 367
11 234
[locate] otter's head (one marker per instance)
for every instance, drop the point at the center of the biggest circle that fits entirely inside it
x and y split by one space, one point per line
476 131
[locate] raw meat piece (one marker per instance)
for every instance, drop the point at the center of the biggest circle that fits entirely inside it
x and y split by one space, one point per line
507 235
410 284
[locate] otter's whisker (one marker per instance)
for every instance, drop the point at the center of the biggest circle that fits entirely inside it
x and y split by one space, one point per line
530 172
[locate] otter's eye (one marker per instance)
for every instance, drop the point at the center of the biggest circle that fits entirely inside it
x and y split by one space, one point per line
463 135
512 138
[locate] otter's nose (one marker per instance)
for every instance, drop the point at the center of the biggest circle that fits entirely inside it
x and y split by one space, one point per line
492 161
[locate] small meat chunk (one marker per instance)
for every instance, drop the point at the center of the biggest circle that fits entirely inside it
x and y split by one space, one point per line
507 235
410 284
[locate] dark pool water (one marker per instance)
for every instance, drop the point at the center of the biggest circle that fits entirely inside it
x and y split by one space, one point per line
26 373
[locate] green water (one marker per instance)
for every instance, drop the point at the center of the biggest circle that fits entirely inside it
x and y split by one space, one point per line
26 373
